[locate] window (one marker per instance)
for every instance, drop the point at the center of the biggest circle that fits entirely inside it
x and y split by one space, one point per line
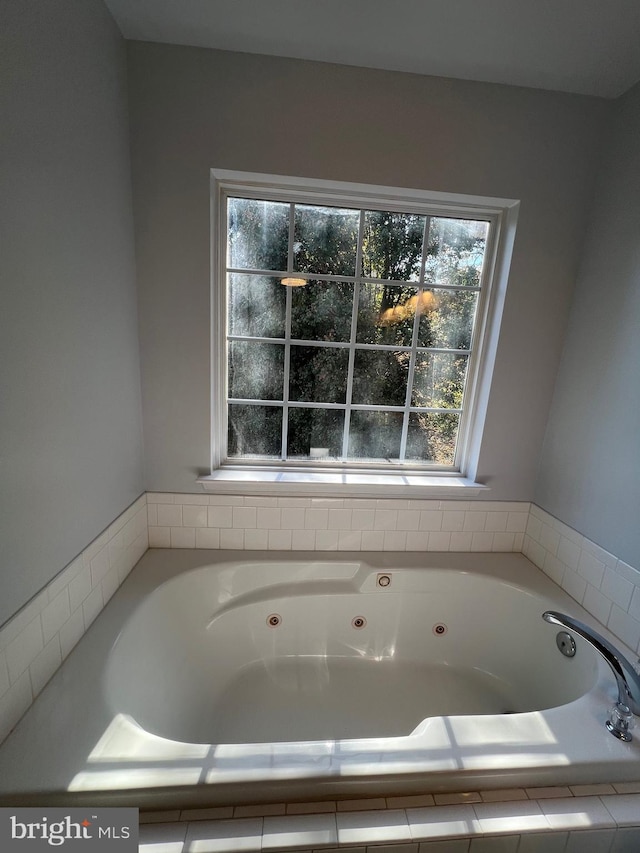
351 324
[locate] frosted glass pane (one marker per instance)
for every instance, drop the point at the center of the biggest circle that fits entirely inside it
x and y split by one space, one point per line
438 380
386 314
257 235
380 377
255 371
315 434
318 374
325 240
432 437
392 245
321 311
456 251
375 435
255 430
256 306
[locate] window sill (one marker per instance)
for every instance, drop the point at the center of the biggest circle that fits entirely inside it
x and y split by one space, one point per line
352 484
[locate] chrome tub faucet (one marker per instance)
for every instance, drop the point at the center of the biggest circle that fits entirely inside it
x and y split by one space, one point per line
627 678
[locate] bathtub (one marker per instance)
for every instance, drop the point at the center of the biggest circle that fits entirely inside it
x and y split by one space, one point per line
218 677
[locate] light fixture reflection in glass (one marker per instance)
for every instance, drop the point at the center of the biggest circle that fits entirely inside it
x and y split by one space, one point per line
421 304
293 282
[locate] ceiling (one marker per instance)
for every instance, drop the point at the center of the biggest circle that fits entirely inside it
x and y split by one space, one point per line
590 47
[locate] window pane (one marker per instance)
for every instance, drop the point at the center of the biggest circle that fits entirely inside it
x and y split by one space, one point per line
321 311
380 377
446 319
258 234
385 314
318 374
438 380
315 434
255 430
375 435
432 438
256 306
325 239
255 371
456 251
392 245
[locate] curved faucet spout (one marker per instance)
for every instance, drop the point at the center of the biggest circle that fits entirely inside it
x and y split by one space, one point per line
627 678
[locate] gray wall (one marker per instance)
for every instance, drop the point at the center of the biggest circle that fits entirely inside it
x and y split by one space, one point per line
590 468
70 414
193 109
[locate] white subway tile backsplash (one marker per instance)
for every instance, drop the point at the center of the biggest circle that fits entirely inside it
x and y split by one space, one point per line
439 540
634 604
4 674
303 540
55 614
416 541
206 537
339 519
461 541
232 539
363 519
110 583
617 588
45 664
549 538
316 519
496 521
24 649
372 540
590 568
554 568
597 604
481 541
475 521
568 552
453 520
628 572
408 520
220 516
574 585
169 515
431 520
503 541
71 632
36 640
244 516
14 703
517 521
396 540
624 626
326 540
386 519
269 518
256 540
183 537
159 537
349 540
91 606
280 540
194 516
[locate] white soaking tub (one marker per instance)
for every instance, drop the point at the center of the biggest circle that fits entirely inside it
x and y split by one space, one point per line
227 677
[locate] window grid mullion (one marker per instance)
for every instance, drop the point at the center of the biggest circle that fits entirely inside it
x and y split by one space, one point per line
287 342
311 276
352 340
358 407
414 342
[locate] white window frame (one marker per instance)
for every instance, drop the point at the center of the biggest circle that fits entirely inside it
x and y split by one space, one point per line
360 479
